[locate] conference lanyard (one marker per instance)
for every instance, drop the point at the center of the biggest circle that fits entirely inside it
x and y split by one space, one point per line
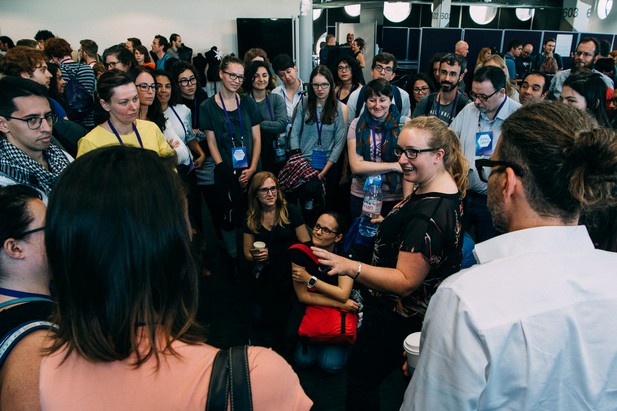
180 120
111 126
229 125
494 118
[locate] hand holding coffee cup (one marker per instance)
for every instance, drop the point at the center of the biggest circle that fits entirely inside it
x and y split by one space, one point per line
411 345
259 251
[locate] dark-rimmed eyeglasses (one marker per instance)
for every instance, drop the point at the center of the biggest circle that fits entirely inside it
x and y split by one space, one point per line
324 230
34 230
343 68
186 81
34 122
485 168
384 69
473 96
146 86
111 65
410 153
419 90
266 190
234 76
322 86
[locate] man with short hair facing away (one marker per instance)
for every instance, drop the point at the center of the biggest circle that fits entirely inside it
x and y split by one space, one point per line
88 52
384 66
587 53
323 53
446 103
532 326
175 44
533 88
27 155
462 48
479 126
159 48
24 295
41 37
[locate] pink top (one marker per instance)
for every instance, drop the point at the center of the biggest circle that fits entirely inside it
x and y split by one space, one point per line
180 383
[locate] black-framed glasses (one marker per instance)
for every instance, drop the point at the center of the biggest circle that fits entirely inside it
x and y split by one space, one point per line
410 153
485 168
343 68
34 122
384 69
419 90
473 96
234 76
186 81
322 86
146 86
323 229
111 65
34 230
266 190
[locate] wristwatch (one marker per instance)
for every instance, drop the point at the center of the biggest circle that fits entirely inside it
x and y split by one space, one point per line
311 282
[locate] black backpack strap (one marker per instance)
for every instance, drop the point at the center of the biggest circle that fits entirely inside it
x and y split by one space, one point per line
230 379
360 102
429 104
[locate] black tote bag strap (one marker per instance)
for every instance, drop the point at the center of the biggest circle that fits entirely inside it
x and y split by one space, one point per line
235 385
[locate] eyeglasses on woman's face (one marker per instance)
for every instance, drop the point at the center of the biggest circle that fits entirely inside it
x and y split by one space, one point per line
410 153
234 76
265 190
324 230
320 86
184 82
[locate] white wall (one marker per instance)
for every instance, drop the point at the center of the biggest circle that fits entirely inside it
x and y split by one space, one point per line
202 24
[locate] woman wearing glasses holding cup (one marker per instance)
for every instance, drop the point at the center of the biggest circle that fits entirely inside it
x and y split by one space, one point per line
277 224
119 98
318 130
417 246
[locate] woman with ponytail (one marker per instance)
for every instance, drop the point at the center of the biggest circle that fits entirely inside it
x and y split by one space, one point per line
417 246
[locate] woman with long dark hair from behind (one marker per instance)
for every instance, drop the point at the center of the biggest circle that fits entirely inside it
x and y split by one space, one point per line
131 320
318 132
417 246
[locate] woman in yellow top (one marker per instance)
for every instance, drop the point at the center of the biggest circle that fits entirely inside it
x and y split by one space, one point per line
118 96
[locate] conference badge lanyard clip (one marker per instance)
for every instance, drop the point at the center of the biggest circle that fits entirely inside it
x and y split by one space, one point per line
319 156
113 129
485 139
239 158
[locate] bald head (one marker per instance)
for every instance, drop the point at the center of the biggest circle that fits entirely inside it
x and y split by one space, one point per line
461 47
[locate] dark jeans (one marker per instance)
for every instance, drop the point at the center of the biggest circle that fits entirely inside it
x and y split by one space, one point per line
378 351
477 216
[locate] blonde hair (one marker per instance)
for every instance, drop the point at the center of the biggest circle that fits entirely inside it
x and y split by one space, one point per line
480 61
255 211
446 139
510 89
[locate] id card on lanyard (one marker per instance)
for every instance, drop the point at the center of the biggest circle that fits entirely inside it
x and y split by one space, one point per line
319 156
239 158
485 140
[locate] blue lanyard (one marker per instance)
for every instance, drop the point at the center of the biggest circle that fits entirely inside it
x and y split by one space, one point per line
22 294
494 118
229 125
118 135
319 127
451 110
180 120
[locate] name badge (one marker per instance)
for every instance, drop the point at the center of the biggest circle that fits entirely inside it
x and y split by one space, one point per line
484 143
319 159
238 157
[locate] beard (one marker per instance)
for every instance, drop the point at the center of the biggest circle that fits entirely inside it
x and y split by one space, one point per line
495 207
446 86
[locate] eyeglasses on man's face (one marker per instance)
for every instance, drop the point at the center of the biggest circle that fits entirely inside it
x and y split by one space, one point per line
34 122
483 97
485 168
410 153
381 69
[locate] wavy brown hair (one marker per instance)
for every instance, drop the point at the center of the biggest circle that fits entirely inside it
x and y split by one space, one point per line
254 214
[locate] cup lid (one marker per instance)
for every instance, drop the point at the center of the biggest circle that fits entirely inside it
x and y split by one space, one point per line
259 244
412 342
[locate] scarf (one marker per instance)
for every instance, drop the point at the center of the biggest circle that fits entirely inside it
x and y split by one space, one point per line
389 130
18 166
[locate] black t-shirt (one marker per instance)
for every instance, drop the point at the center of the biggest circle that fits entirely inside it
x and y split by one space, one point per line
430 224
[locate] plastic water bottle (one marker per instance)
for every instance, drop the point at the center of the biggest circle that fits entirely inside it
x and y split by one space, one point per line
371 208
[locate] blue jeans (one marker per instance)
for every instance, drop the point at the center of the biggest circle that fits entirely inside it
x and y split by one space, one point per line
331 358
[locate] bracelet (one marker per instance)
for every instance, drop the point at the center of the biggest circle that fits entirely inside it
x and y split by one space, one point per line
359 270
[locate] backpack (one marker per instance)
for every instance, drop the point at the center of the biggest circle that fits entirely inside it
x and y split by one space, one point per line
398 100
79 100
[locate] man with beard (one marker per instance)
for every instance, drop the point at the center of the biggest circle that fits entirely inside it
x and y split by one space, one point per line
587 52
27 155
479 125
533 88
532 326
448 101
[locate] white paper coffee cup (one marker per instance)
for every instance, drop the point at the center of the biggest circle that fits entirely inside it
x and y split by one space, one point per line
412 348
260 245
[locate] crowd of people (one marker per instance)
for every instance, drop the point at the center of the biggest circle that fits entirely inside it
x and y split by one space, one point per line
106 163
